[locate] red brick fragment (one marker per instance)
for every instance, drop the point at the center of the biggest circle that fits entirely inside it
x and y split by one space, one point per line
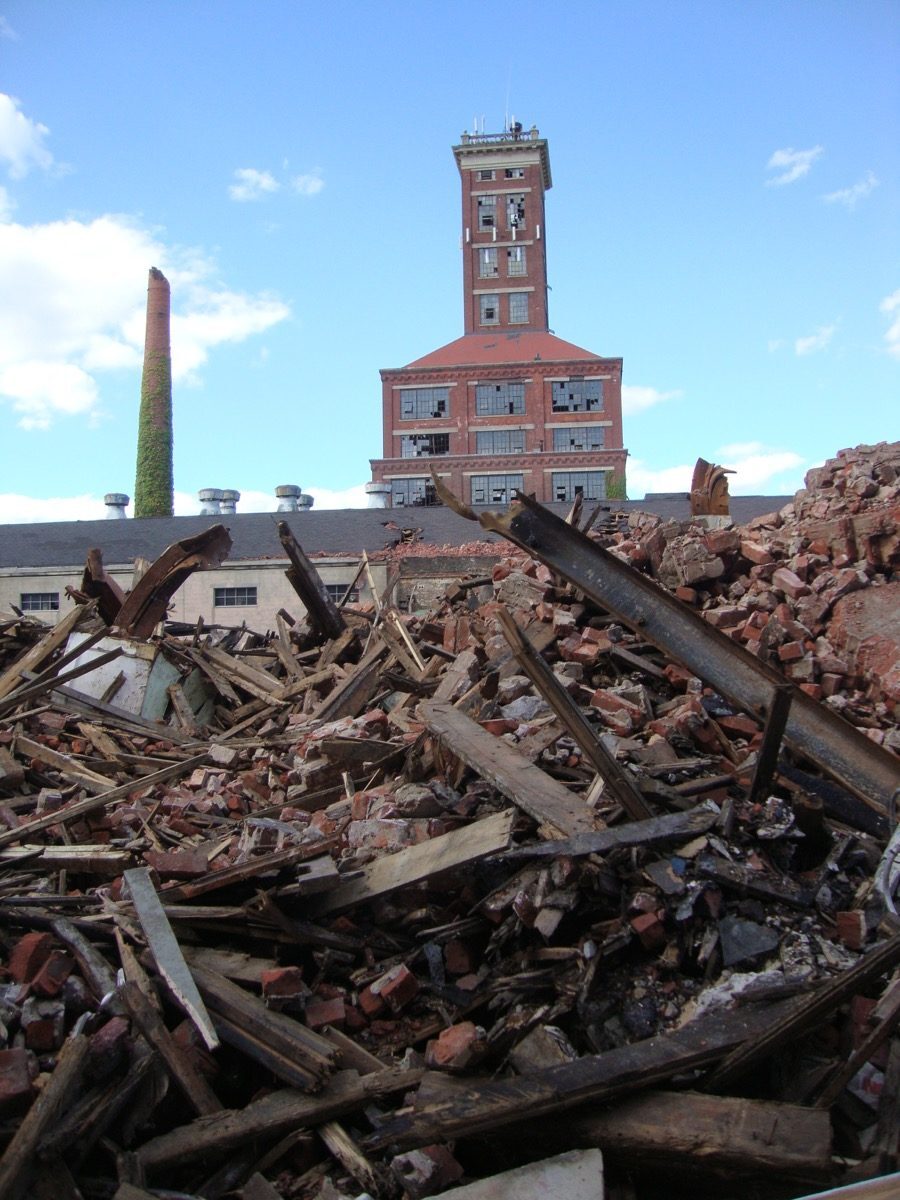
16 1089
650 930
456 1048
28 956
320 1013
851 928
53 974
282 982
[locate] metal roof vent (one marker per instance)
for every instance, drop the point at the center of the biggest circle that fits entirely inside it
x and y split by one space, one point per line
288 495
229 501
210 501
116 503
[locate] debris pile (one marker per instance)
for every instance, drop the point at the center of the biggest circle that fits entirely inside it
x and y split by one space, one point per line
566 878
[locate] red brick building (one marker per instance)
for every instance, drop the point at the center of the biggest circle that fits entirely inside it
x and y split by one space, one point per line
508 405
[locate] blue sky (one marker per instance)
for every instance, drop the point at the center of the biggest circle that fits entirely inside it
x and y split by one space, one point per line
725 216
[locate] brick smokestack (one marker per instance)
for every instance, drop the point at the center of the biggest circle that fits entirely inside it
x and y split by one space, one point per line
154 485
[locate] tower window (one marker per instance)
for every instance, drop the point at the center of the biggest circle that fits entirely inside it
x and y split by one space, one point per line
489 310
424 445
518 308
487 262
515 211
579 437
568 484
578 395
487 212
499 399
418 404
516 262
500 441
495 489
484 176
514 173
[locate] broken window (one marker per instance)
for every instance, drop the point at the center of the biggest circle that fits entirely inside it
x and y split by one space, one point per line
515 211
484 176
500 441
489 310
419 492
336 592
487 212
417 404
515 261
567 485
514 173
499 399
518 308
487 262
495 489
234 597
39 601
423 445
578 395
579 437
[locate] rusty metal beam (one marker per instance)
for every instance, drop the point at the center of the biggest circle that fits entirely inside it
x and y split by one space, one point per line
812 730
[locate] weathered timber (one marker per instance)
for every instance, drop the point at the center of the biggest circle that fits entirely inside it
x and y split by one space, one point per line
91 781
656 831
197 1091
13 676
306 581
620 785
767 755
97 585
806 1013
72 812
263 864
167 953
273 1115
761 885
51 679
417 863
526 785
480 1108
351 695
60 1090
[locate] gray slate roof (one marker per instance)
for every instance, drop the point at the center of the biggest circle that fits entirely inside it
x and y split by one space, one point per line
334 531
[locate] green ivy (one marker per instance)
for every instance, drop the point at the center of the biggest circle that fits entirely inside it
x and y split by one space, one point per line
616 488
154 483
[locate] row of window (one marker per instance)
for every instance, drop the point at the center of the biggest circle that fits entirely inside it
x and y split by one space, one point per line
500 489
489 261
502 399
512 205
484 176
223 597
517 309
503 441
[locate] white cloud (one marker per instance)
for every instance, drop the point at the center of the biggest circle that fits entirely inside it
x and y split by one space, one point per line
73 306
850 196
308 185
637 399
16 509
251 184
891 306
815 341
792 164
7 204
21 140
758 470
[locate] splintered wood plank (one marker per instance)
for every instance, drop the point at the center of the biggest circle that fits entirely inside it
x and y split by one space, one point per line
526 785
417 863
655 831
167 953
33 657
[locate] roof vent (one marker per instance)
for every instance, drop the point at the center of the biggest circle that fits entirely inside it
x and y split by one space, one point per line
288 495
379 495
116 503
229 501
305 502
210 501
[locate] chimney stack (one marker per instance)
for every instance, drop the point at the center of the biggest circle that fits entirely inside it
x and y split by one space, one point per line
116 503
154 488
210 501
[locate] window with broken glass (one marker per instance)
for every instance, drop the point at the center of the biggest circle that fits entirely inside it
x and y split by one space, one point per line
423 445
515 261
499 399
487 262
500 441
419 403
567 485
514 173
489 310
515 211
577 395
418 492
39 601
518 308
495 489
487 212
234 597
579 437
336 592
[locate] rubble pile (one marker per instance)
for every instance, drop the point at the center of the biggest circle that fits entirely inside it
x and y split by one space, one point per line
498 900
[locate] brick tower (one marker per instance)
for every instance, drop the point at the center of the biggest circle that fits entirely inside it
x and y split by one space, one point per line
508 405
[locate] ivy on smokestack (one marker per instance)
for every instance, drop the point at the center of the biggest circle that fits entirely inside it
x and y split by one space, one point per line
154 484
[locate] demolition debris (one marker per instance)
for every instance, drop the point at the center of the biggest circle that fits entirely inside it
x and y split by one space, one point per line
580 883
